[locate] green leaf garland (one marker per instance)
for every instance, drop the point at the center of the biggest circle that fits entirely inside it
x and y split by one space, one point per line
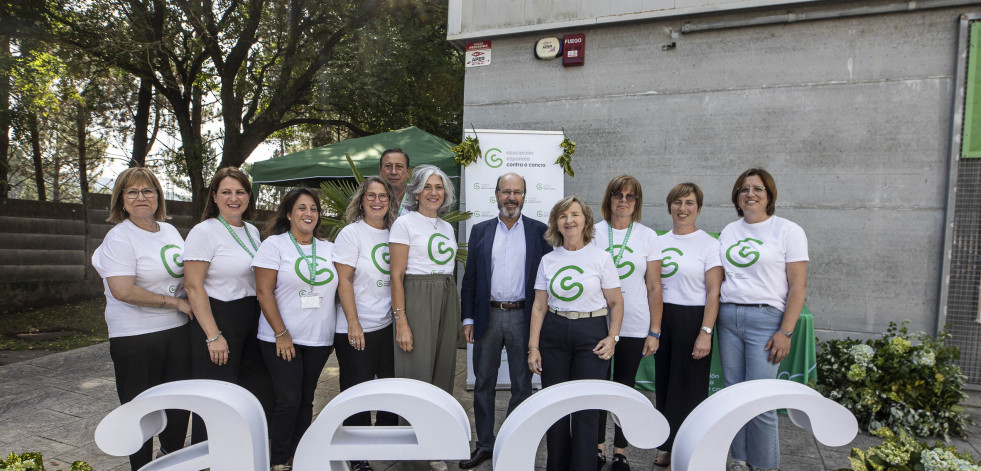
565 160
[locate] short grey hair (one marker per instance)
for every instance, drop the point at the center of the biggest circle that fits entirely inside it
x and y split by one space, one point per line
418 181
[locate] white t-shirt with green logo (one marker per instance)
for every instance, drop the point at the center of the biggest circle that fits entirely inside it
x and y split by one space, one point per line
431 241
755 258
642 247
155 261
365 249
686 259
309 327
229 274
575 280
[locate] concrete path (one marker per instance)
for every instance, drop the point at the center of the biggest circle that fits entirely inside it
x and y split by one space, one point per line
52 405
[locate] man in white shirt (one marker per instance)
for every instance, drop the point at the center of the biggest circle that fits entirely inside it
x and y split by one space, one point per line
496 298
394 168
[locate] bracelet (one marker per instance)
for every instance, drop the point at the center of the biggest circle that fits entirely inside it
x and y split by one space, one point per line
208 341
533 349
163 301
656 335
788 334
397 309
399 317
284 332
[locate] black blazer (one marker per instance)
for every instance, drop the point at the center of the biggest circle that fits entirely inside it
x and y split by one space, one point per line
475 293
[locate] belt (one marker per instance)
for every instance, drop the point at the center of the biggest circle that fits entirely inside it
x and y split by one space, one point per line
751 305
508 304
579 315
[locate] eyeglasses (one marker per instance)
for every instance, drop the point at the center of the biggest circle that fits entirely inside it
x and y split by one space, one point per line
756 189
629 197
378 196
508 193
147 193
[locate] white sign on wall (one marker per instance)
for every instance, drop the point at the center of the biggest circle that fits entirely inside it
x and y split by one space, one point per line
532 155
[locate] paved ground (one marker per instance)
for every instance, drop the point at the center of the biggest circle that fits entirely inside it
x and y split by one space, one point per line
52 404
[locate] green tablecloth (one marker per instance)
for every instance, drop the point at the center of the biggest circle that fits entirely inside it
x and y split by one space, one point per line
800 364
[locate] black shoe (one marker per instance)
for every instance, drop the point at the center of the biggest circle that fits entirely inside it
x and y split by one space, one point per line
478 456
361 466
600 459
619 463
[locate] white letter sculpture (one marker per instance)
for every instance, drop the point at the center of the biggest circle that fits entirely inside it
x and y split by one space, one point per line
439 428
697 446
239 441
521 433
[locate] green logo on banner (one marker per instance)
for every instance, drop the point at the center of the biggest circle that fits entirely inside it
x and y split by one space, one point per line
492 157
383 256
624 264
476 186
538 186
747 253
442 248
172 254
301 262
565 285
540 213
665 263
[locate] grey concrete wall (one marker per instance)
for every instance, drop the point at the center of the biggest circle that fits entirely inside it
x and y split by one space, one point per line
852 116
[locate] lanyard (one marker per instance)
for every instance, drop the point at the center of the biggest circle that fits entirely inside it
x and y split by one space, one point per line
626 237
237 239
401 204
311 265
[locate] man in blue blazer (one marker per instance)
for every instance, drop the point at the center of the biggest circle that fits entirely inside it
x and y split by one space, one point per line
498 290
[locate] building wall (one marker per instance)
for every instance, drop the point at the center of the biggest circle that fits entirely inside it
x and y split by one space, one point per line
852 116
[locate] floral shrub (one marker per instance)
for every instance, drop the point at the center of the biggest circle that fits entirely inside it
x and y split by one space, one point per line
900 381
34 462
902 452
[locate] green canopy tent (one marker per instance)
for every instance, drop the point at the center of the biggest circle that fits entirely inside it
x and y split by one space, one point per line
312 166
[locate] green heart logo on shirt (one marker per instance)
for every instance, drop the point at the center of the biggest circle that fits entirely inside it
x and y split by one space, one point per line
442 248
615 250
380 252
564 284
665 263
302 262
172 254
746 254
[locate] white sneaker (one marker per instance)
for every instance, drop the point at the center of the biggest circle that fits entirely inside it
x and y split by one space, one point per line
281 467
737 465
438 466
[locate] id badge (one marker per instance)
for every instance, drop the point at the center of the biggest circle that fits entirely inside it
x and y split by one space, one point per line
310 301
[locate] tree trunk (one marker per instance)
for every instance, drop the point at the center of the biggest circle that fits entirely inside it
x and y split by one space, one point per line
81 119
36 149
5 60
141 125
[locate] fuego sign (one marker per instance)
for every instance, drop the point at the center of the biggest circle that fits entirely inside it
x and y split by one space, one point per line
440 428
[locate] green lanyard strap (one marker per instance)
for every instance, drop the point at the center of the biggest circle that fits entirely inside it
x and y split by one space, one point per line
237 239
626 237
311 265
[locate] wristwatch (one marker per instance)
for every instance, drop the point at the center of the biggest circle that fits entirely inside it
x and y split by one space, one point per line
788 334
707 330
616 338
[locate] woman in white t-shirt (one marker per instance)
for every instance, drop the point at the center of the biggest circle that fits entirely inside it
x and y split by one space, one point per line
765 262
146 310
425 304
363 339
296 286
577 293
691 274
221 288
634 250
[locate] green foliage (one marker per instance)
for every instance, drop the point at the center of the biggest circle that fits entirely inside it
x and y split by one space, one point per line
565 160
901 381
24 462
903 452
468 151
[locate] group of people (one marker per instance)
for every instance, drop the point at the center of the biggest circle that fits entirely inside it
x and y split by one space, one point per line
573 299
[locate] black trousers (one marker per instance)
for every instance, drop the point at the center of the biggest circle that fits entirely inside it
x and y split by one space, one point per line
567 354
680 382
626 360
143 361
294 383
357 366
238 322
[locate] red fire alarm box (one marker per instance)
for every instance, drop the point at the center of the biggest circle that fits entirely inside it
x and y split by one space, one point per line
573 50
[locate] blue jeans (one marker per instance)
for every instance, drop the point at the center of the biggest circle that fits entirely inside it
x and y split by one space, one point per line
743 334
507 328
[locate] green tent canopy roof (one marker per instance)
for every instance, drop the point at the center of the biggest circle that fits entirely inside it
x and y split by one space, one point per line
329 162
